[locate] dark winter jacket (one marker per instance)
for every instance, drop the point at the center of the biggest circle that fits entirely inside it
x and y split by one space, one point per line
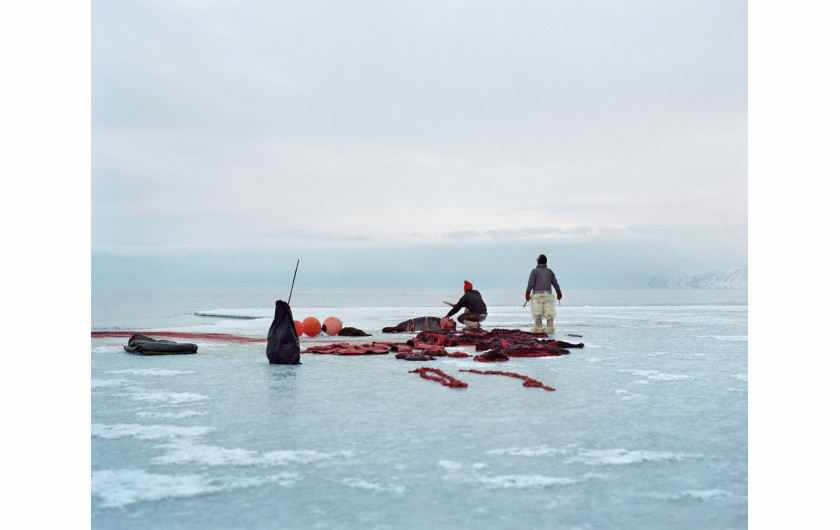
472 301
542 278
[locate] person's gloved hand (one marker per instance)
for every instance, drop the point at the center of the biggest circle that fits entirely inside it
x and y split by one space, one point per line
527 296
559 295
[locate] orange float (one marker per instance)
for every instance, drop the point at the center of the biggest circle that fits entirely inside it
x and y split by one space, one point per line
311 326
299 327
332 326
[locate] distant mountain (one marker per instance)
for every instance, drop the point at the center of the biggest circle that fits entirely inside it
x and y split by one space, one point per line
734 279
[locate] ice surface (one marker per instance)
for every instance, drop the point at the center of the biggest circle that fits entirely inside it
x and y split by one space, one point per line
648 425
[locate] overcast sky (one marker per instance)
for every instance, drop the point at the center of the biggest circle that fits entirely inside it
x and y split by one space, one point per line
418 142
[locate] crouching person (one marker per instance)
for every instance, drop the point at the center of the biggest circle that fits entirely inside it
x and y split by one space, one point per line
475 310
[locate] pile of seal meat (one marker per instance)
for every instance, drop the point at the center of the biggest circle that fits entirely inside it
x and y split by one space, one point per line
496 345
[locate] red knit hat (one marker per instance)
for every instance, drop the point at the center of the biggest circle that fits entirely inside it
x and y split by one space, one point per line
467 285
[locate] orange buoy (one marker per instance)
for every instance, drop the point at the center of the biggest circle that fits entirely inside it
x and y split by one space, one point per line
299 327
331 326
311 326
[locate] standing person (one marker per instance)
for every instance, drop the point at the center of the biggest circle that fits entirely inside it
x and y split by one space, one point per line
475 312
542 303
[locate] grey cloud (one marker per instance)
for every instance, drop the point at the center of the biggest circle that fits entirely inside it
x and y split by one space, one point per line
463 235
537 232
524 233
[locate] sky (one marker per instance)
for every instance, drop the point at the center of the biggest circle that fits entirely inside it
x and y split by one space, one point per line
417 143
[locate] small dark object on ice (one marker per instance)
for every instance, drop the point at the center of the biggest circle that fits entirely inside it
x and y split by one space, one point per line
143 345
353 332
491 356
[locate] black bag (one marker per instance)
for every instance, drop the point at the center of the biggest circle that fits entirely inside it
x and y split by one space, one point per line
283 345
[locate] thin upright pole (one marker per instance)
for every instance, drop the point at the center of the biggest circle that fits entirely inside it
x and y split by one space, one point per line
293 282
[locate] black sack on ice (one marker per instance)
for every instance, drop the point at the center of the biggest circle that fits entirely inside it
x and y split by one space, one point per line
283 345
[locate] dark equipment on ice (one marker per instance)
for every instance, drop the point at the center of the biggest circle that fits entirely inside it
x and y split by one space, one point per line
143 345
283 346
352 332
